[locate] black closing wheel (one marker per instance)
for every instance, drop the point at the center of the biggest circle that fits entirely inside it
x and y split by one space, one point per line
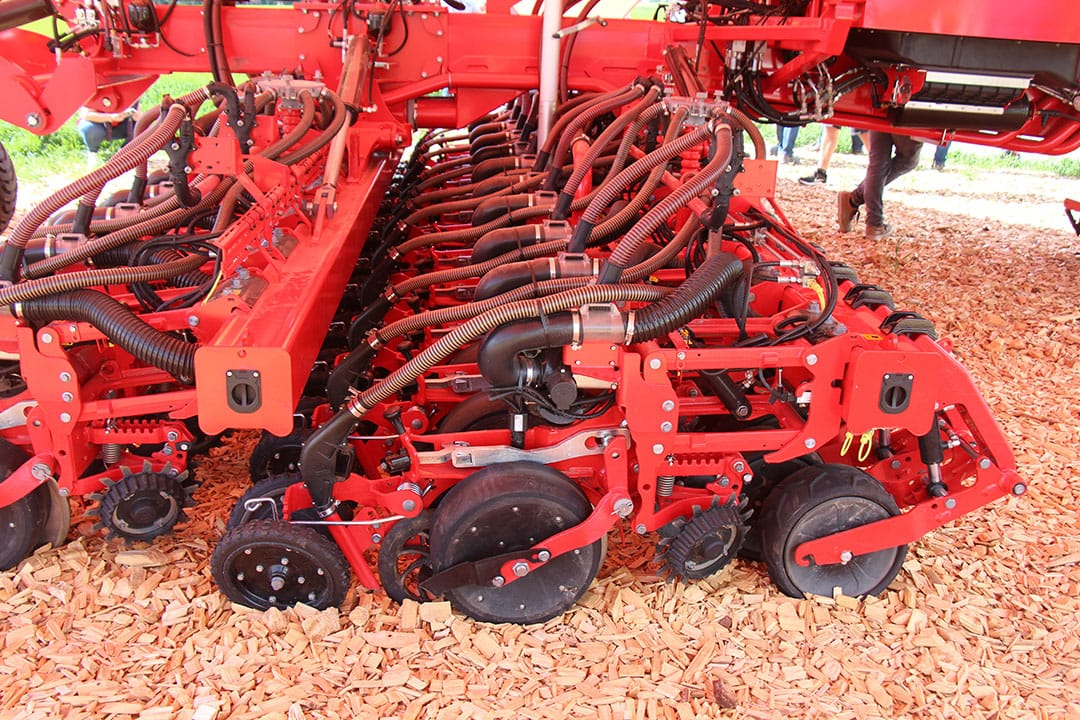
275 455
404 558
822 500
272 563
509 507
23 522
9 188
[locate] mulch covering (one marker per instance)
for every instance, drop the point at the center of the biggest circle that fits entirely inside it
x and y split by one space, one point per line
982 622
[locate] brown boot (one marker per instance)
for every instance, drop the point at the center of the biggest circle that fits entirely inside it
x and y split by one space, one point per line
877 232
845 212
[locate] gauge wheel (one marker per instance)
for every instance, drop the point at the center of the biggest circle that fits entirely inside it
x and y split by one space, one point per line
275 455
509 507
273 490
821 500
404 558
272 563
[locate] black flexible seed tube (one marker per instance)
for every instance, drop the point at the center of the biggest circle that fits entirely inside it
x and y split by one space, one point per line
120 325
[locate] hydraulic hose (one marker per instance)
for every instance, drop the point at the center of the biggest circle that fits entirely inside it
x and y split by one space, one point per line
120 325
688 301
11 256
341 114
319 455
559 128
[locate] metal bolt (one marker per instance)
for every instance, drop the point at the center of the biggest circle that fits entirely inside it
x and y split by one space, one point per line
65 377
65 417
46 338
623 507
810 443
193 320
1019 489
984 464
950 503
521 569
895 464
846 557
67 397
408 505
184 447
747 478
33 120
811 359
614 456
498 581
543 556
376 537
64 492
640 530
40 471
738 466
167 450
681 355
668 406
277 583
655 363
665 426
172 436
259 568
658 449
724 481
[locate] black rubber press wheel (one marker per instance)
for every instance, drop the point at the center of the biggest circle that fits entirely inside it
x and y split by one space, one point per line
508 507
821 500
271 563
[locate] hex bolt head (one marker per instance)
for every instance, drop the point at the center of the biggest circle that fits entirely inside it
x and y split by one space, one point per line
658 449
46 338
277 583
65 417
67 397
65 377
408 505
681 355
172 436
33 120
40 471
985 463
521 569
498 581
665 426
950 503
655 363
811 359
193 320
846 557
738 466
1019 489
543 556
640 530
376 537
810 443
668 406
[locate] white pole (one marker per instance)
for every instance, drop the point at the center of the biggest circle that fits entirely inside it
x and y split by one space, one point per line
549 66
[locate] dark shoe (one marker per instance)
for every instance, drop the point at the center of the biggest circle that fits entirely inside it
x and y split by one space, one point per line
940 167
877 232
819 177
790 160
845 211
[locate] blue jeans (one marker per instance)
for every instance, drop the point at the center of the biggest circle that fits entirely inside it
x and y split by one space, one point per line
941 153
785 139
93 134
882 168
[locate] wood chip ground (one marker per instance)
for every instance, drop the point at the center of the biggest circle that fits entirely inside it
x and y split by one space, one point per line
983 621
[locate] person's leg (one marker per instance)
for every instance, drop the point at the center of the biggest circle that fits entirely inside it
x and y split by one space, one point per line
940 154
92 134
857 140
787 144
829 137
878 168
905 159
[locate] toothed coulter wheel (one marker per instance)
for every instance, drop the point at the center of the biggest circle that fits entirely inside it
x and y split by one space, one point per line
272 563
144 505
706 543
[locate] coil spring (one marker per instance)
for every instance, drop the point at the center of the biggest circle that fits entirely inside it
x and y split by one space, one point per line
111 453
665 484
411 487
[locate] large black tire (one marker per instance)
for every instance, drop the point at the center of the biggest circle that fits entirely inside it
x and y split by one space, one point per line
822 500
23 521
508 507
9 188
307 567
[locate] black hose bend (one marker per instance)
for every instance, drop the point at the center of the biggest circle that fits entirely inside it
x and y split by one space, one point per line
120 325
689 300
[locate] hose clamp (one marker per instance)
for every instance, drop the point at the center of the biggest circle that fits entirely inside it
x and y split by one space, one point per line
630 316
575 338
357 408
